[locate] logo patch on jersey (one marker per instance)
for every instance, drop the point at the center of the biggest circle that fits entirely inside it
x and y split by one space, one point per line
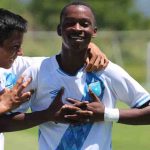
95 84
96 88
10 80
54 93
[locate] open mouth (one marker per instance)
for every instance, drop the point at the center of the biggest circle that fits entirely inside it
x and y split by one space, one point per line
77 38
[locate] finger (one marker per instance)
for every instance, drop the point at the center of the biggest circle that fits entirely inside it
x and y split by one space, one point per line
87 60
82 105
75 101
93 96
104 61
32 91
78 103
19 82
72 117
92 58
60 94
24 85
81 116
69 109
84 113
24 98
58 99
97 64
72 101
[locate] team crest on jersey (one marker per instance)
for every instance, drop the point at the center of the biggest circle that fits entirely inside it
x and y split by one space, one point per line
96 85
10 80
96 88
54 93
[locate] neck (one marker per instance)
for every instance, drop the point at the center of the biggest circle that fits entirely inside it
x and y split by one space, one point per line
71 61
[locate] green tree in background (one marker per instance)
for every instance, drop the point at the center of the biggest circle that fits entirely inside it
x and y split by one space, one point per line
110 14
46 12
16 6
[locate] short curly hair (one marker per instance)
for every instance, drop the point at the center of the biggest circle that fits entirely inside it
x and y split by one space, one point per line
77 2
10 22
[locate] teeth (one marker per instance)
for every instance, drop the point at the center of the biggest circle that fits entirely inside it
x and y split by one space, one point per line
76 37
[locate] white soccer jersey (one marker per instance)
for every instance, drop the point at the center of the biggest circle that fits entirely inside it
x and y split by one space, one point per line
8 78
109 85
1 141
2 82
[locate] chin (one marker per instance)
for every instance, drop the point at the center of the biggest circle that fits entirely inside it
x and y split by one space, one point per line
7 66
79 46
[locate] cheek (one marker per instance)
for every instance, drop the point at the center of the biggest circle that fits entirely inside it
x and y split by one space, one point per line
4 59
3 62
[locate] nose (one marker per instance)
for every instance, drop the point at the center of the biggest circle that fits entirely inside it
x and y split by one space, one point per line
20 52
77 26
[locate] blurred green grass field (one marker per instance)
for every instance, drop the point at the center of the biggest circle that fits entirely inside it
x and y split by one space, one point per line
133 53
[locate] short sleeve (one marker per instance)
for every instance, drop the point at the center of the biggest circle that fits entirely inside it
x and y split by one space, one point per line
2 83
29 72
126 88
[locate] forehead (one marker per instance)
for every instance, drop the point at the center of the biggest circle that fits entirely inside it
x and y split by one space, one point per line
78 11
15 37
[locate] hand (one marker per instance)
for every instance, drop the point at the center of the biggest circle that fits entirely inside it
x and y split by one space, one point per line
96 60
57 110
97 107
54 112
80 115
12 98
88 112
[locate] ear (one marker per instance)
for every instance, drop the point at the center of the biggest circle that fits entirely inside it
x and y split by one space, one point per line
94 32
59 30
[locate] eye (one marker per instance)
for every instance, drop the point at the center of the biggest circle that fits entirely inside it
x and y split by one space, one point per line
69 23
14 48
85 23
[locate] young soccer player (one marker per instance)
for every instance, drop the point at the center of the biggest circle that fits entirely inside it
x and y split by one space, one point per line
12 29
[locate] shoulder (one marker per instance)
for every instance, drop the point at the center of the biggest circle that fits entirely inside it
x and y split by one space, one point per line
113 71
40 66
48 64
114 74
29 60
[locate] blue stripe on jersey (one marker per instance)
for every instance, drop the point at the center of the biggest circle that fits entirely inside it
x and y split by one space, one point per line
142 101
39 135
75 135
54 91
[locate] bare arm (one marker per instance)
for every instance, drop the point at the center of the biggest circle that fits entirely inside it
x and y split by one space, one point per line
19 121
135 116
131 116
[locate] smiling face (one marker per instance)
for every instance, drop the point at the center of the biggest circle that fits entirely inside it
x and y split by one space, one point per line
10 49
77 27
